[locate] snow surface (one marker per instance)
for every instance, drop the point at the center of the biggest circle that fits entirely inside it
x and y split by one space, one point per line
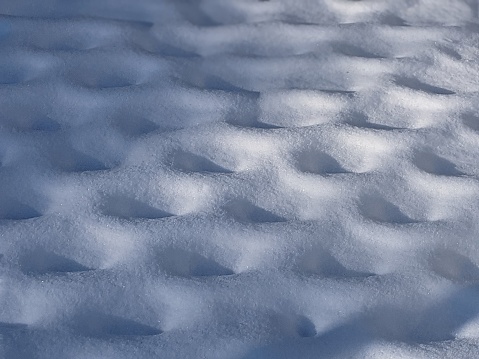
239 179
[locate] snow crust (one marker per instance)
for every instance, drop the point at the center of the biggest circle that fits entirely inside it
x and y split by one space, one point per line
239 179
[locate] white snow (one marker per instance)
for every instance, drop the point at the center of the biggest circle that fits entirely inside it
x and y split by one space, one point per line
239 179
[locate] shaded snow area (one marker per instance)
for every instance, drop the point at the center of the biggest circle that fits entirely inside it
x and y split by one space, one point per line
239 179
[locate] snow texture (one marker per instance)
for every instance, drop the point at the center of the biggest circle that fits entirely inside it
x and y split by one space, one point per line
239 179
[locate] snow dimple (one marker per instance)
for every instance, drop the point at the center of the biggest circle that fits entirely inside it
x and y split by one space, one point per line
354 51
306 328
415 84
5 29
40 261
133 125
472 121
358 119
194 14
247 212
301 108
444 318
14 209
190 162
453 265
247 112
318 162
449 51
107 81
20 67
103 76
12 76
124 207
111 72
431 163
319 261
15 71
377 208
101 325
178 262
27 118
70 160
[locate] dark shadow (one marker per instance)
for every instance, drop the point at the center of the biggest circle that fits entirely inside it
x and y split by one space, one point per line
349 93
318 261
70 160
192 12
246 212
340 342
189 162
437 323
40 262
442 320
360 120
134 126
471 120
354 51
184 263
392 20
305 327
247 115
165 49
6 327
11 74
317 162
415 84
100 325
44 124
433 164
15 341
105 81
453 266
376 208
198 78
12 209
449 51
24 118
128 208
251 123
244 113
103 75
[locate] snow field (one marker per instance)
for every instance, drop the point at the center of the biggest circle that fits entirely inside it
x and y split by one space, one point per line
239 179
